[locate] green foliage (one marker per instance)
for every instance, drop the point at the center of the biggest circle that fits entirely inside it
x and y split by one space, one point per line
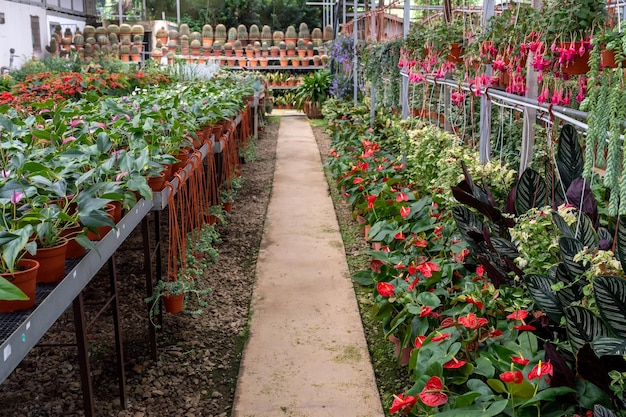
314 88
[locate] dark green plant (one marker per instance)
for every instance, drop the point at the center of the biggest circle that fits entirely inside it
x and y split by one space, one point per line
314 88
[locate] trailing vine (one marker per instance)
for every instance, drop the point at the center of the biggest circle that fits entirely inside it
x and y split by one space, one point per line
381 68
615 154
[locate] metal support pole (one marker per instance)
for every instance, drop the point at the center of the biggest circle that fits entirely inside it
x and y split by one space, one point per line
147 266
485 104
178 12
83 354
120 12
355 59
119 341
405 80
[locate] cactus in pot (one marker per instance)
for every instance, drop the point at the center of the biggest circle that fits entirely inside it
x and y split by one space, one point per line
232 35
207 36
220 33
266 33
125 31
328 33
183 29
278 37
242 34
291 35
303 32
255 34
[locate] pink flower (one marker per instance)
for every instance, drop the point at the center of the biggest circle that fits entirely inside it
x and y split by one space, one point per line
68 139
405 211
16 196
121 175
402 197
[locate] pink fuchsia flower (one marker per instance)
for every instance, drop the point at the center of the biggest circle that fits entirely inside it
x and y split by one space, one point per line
403 404
432 395
385 289
541 369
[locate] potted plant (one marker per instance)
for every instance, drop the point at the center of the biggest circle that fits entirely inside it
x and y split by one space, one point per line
207 36
220 33
312 92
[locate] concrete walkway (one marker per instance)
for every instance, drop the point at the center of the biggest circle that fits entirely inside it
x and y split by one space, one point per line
306 355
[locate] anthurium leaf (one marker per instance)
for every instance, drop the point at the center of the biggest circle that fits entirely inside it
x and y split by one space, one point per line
583 326
570 247
479 385
428 299
610 292
540 288
609 346
466 399
531 191
522 390
621 241
569 155
364 278
497 385
484 367
477 410
600 411
562 224
504 247
10 292
548 394
589 395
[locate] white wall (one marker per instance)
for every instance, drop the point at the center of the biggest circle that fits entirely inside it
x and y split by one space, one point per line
15 32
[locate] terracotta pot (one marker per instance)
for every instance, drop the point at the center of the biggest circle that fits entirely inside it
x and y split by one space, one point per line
173 303
377 245
168 171
117 213
366 231
263 62
51 262
456 50
228 206
403 356
579 65
284 62
101 231
156 183
74 249
182 156
607 57
25 278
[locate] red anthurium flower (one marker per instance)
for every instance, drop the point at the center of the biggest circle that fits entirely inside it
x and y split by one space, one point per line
432 394
515 377
375 265
419 340
440 337
447 322
412 269
477 303
402 197
399 266
358 180
421 243
518 315
370 201
541 369
413 284
403 404
400 236
472 322
480 270
525 327
520 359
405 211
425 311
333 152
385 289
454 363
427 268
495 333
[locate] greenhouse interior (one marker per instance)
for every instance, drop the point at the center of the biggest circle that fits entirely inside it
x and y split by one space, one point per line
313 208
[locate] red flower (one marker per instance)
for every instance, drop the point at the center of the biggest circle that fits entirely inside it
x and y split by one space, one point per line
525 327
477 303
431 395
427 267
425 311
358 180
442 336
405 211
402 197
400 236
447 322
472 322
520 360
454 363
421 243
495 333
412 269
370 201
403 404
375 265
518 315
512 376
385 289
419 340
480 270
541 369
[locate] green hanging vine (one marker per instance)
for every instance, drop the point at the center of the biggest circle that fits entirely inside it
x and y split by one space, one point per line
615 153
591 139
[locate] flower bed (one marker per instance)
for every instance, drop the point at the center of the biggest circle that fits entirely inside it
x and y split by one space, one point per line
508 306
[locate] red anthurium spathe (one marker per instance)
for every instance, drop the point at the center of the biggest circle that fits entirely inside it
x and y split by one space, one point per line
520 360
440 337
432 394
427 268
515 377
403 404
541 369
358 180
472 322
375 265
454 363
370 201
402 197
425 311
400 236
385 289
405 211
477 303
519 315
419 340
525 327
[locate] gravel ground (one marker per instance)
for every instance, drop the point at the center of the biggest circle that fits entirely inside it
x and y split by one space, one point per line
198 355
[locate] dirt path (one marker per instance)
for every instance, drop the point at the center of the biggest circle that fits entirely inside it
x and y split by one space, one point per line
306 355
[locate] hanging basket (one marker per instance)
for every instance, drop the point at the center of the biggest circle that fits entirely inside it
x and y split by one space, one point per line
577 66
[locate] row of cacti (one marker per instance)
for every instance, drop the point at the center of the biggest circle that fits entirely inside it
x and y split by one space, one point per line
242 35
110 40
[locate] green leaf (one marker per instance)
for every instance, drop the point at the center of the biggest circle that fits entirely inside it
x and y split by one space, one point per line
562 224
569 156
10 292
428 299
504 247
522 390
540 288
531 191
547 394
467 222
610 292
484 367
621 241
572 291
467 399
589 394
609 346
570 247
364 278
583 326
584 232
497 385
600 411
477 410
